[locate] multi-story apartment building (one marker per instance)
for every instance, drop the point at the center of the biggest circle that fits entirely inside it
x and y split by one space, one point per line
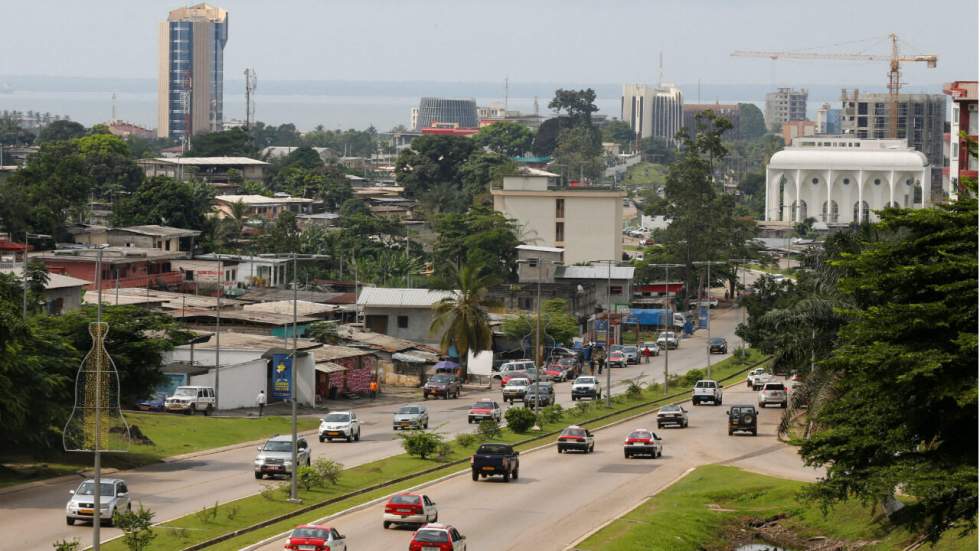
963 119
785 104
828 120
653 111
191 82
729 111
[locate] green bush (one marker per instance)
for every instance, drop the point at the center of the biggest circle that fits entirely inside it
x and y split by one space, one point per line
444 451
136 527
328 470
488 430
65 545
520 420
691 377
551 414
634 391
420 443
308 478
581 408
466 440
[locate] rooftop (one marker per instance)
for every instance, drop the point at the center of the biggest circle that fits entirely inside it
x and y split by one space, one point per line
285 307
205 161
257 200
273 294
261 343
258 318
596 271
55 281
168 300
111 255
540 249
404 298
378 341
158 231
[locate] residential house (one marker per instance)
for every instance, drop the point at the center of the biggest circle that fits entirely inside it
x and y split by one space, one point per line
213 170
261 207
402 313
121 266
61 293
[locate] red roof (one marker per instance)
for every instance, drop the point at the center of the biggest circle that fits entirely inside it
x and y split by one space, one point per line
6 245
461 132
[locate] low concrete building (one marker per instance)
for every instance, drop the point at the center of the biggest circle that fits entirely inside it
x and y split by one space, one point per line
213 170
61 293
254 271
261 207
121 266
150 236
402 313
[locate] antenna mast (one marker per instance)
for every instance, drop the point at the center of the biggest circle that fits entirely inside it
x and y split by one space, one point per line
251 82
506 94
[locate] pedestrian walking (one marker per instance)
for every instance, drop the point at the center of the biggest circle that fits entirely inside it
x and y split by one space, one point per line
374 389
260 401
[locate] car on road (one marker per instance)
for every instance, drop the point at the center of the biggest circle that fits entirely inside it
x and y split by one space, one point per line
616 359
717 345
340 424
409 508
191 399
672 415
586 387
642 442
743 418
632 354
316 537
650 348
410 416
508 368
576 438
706 390
157 402
441 385
773 393
759 380
615 348
495 459
753 375
484 410
554 372
437 537
113 497
515 389
562 369
709 303
276 455
668 340
539 394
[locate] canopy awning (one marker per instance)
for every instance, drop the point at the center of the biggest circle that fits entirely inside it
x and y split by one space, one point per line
329 367
411 358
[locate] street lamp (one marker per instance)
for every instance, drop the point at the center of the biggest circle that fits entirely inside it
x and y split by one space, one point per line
609 265
538 263
707 284
295 257
741 314
670 317
27 247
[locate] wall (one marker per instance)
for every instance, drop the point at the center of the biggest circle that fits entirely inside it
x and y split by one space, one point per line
65 299
239 383
419 320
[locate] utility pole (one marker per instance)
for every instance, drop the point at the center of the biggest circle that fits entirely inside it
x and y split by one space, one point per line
707 286
217 337
27 247
670 319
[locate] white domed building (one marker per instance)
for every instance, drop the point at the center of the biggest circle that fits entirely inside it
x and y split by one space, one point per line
840 181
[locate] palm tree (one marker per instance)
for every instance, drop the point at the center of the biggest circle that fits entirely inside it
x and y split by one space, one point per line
462 318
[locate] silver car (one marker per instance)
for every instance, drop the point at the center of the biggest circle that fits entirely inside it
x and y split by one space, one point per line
672 415
276 456
412 416
113 497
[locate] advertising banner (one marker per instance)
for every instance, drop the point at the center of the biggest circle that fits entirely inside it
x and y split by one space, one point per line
282 377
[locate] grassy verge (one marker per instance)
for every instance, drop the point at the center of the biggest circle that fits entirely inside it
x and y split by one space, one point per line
235 515
171 435
708 509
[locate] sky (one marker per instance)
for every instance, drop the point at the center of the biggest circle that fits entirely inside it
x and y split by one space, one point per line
580 41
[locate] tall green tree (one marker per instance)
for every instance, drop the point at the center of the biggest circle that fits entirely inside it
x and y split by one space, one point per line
479 237
432 160
619 132
235 142
110 164
556 323
579 152
751 123
461 320
506 138
60 131
165 201
578 104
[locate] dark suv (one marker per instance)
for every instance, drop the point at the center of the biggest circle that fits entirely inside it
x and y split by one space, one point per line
743 418
443 385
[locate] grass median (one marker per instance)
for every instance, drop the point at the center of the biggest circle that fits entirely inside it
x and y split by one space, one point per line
171 435
228 517
716 508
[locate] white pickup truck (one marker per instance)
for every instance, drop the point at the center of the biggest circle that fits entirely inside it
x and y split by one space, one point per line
758 377
706 390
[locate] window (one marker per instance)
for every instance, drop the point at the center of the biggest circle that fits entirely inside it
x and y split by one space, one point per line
877 181
559 208
847 181
403 322
815 181
189 275
615 289
559 232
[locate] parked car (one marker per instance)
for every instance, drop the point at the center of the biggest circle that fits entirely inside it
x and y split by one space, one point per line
668 340
495 459
113 496
672 415
189 399
650 348
441 537
717 345
340 424
632 354
157 402
442 385
409 508
709 303
576 438
642 442
540 394
555 372
506 379
515 389
773 393
484 410
412 416
316 537
616 359
586 387
742 418
706 391
276 456
511 367
571 365
615 348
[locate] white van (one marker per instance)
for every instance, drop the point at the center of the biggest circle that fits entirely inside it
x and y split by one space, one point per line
512 366
188 399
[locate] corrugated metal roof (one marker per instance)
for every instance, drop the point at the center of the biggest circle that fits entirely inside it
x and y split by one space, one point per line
285 307
55 281
594 272
540 249
328 353
158 231
404 298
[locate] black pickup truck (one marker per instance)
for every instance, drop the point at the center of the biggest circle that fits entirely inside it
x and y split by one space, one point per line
495 459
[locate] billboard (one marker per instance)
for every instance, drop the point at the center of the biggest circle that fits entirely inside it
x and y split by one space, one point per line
282 377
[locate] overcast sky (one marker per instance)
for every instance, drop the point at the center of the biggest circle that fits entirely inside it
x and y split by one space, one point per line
594 41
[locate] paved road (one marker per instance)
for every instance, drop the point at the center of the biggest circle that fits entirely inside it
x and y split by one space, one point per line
559 498
34 518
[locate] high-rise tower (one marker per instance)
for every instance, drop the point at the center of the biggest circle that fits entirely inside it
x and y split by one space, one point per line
191 82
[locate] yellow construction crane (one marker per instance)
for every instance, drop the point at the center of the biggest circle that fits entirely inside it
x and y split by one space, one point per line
894 73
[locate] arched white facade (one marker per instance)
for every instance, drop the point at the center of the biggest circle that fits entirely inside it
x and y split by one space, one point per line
841 181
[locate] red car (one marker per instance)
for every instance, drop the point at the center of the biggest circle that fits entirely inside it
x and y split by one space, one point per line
437 537
408 508
616 359
484 410
314 537
514 375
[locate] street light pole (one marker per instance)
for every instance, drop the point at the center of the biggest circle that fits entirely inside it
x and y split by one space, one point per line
27 247
608 332
97 501
217 337
707 286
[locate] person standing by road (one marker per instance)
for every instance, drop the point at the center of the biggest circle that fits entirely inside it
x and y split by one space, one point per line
374 389
600 358
260 401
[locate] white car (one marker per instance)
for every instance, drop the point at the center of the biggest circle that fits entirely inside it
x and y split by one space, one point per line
586 387
276 456
758 377
668 340
672 415
707 390
340 424
643 442
113 496
409 508
773 393
189 399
